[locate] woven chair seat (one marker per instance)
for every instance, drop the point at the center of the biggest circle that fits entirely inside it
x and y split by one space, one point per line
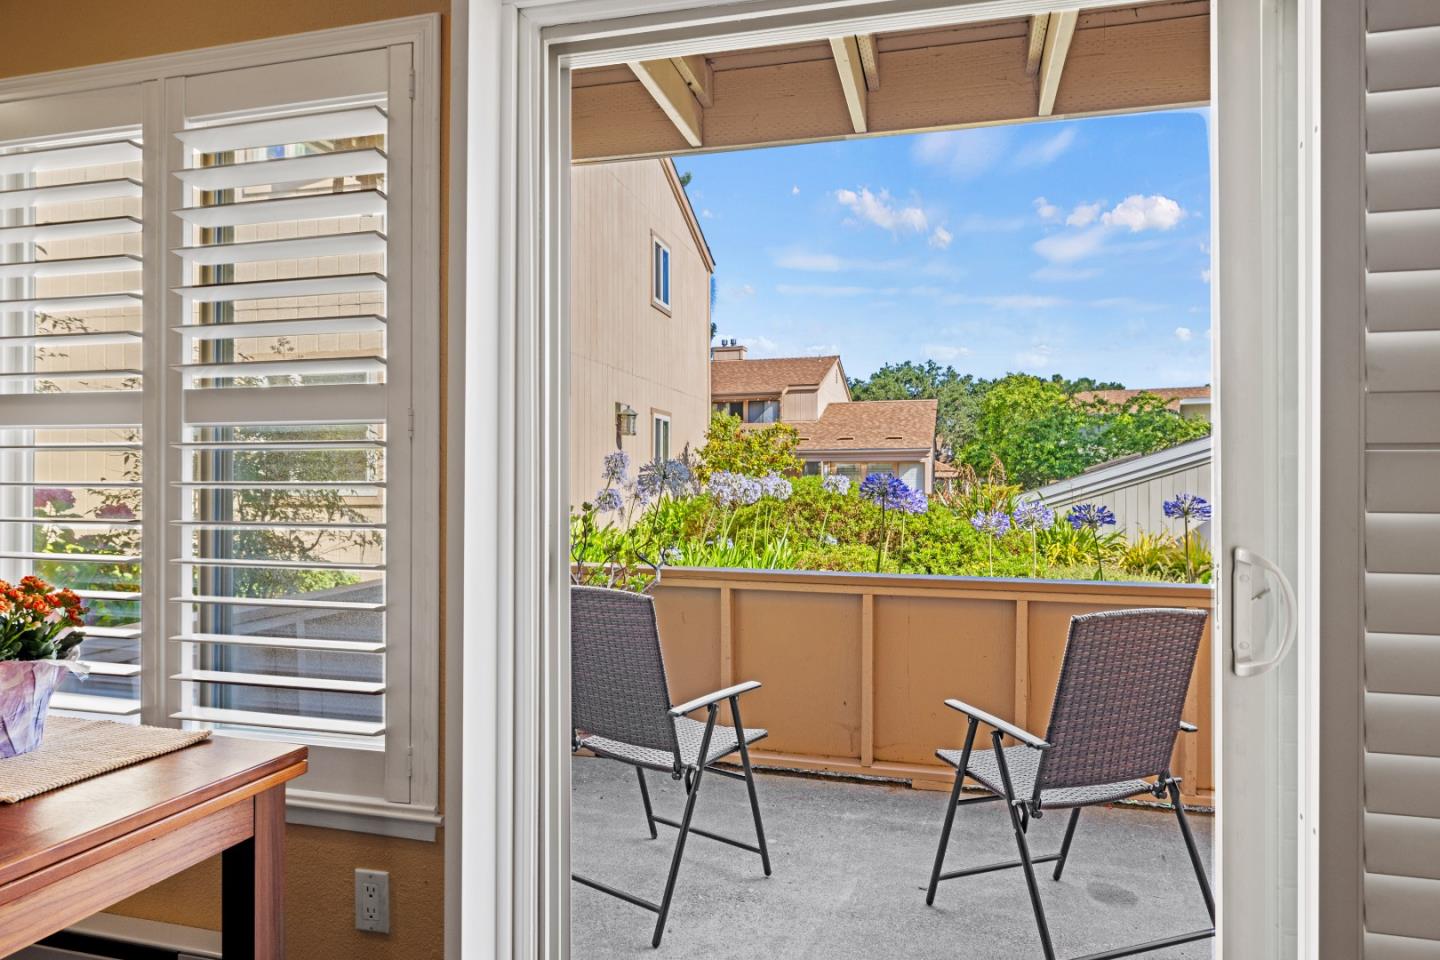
1023 763
723 742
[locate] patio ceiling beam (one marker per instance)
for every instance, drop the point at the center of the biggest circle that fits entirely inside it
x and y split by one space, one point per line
852 80
698 77
1058 34
666 85
1036 47
869 61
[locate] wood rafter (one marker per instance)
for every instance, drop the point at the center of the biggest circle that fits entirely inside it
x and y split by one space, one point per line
1058 34
1036 47
665 83
698 77
869 61
852 80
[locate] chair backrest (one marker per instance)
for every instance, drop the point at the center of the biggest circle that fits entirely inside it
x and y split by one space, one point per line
1120 695
617 674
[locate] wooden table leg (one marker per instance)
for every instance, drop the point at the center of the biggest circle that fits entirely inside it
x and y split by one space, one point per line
252 886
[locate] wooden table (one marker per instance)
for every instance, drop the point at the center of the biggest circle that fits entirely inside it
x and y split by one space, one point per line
67 854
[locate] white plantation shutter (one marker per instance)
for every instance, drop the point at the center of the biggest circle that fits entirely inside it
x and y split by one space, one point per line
72 380
1402 646
290 227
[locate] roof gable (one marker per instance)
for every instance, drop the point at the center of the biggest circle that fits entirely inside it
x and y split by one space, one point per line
872 425
733 378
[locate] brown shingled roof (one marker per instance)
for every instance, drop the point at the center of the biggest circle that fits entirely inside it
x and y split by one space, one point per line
767 377
1171 395
872 425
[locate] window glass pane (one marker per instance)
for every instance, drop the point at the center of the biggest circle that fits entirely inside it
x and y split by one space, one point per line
852 470
665 276
763 411
913 474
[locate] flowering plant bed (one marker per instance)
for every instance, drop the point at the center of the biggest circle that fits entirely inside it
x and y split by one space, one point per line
39 639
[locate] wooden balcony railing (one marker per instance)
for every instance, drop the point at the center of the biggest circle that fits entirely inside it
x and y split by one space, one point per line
856 667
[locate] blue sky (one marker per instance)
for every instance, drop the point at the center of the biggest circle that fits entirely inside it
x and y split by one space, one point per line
1075 247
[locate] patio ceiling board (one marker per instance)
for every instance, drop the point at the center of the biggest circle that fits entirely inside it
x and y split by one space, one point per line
1119 60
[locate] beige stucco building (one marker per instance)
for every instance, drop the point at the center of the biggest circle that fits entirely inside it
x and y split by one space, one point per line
640 318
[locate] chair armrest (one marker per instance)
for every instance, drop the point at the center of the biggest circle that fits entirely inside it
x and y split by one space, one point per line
716 697
1029 739
1187 727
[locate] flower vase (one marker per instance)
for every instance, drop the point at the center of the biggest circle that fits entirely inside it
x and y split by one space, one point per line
25 690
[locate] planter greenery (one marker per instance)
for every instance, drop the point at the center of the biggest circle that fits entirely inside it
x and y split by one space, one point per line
40 634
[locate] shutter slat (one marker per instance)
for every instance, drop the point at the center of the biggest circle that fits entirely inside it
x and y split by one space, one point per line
1402 481
1409 786
314 166
1405 361
29 375
200 561
1402 906
1403 59
278 682
69 267
103 153
1379 946
104 668
1401 14
1409 846
253 251
271 525
96 301
121 188
70 230
1402 543
283 603
1403 240
248 718
120 596
295 287
1402 602
1402 723
273 131
89 703
1403 300
368 323
284 368
319 206
73 340
73 557
1409 180
280 643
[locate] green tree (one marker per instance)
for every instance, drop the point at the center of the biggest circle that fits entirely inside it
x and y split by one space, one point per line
1142 424
753 451
1034 428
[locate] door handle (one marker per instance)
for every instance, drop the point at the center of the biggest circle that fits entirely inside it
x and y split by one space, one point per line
1247 580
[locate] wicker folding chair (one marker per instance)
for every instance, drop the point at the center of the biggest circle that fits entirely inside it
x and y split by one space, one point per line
620 703
1114 722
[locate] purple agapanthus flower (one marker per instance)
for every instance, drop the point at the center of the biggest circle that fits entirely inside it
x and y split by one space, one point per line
57 498
837 483
918 503
1090 516
749 491
617 464
886 491
775 487
1188 506
663 476
609 500
1033 516
995 523
115 511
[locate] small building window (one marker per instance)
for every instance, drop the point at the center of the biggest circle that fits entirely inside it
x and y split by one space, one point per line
762 411
733 408
660 287
660 443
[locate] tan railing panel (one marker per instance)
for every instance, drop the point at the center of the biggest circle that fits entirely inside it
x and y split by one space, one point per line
856 667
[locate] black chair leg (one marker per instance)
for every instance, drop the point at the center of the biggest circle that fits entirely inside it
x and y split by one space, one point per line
684 829
1195 862
950 812
1065 845
750 785
645 798
1029 869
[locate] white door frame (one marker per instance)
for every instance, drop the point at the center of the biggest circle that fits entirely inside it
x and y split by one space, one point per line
512 769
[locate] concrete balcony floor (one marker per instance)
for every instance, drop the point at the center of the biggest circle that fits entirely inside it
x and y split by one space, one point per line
851 861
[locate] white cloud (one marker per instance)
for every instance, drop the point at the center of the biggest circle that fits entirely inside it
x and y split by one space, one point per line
1205 274
795 190
1131 304
979 223
1008 301
821 350
827 290
707 214
760 344
940 238
1083 215
1056 274
730 292
944 352
813 262
965 154
1037 358
879 209
1046 210
1138 213
1184 334
1069 247
1046 151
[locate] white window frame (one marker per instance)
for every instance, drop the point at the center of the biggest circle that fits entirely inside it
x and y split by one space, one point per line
415 645
658 418
519 861
661 294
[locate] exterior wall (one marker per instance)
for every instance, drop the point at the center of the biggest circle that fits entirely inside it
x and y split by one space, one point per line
320 865
800 405
856 667
1138 506
623 348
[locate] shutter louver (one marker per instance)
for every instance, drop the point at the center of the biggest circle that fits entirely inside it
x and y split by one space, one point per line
282 493
1402 592
71 332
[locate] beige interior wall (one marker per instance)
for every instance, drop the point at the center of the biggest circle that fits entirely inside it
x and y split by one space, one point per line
320 882
623 348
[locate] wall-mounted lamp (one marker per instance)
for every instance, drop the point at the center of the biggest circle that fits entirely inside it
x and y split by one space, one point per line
625 419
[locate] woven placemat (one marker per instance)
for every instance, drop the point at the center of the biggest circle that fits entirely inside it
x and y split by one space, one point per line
75 750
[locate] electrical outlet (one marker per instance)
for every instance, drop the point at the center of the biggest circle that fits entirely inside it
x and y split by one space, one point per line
372 901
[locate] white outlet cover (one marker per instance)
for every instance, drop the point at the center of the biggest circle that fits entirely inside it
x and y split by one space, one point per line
372 901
